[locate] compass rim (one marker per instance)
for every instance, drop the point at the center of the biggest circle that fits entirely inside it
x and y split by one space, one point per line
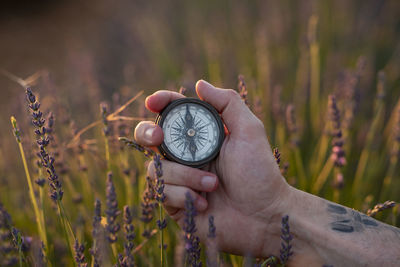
163 148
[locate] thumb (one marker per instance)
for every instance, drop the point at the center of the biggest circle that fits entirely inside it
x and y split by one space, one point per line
234 112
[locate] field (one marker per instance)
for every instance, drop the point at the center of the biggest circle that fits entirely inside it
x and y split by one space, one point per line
323 76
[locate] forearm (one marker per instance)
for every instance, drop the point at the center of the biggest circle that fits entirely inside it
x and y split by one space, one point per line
327 233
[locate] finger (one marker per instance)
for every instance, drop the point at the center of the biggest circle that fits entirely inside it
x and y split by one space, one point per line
160 99
148 133
171 211
175 197
177 174
234 112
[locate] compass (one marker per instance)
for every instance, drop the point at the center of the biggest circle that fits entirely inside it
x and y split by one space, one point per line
193 132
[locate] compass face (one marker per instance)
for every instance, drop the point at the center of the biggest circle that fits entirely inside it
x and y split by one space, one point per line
193 132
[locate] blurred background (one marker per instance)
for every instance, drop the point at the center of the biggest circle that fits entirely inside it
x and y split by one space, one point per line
83 52
76 54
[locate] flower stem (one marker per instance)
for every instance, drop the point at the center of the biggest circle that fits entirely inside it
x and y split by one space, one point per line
66 226
161 235
107 148
38 214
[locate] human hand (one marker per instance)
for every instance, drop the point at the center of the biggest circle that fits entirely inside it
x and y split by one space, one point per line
245 191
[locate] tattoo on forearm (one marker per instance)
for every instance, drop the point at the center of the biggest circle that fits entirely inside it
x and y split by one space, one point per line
348 221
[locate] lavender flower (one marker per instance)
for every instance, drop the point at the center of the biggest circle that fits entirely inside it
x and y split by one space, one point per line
191 241
6 239
95 233
159 187
147 206
242 89
40 259
128 260
43 140
211 227
277 156
338 154
182 90
16 130
103 110
146 151
112 211
40 181
286 236
79 257
147 203
211 245
381 207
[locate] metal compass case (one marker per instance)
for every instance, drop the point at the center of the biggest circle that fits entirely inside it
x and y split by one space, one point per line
193 132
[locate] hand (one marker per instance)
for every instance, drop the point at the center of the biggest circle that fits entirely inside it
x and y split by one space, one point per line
245 190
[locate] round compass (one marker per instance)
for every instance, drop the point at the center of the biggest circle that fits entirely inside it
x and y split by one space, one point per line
193 132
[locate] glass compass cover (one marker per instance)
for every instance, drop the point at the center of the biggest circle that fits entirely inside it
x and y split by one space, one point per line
193 132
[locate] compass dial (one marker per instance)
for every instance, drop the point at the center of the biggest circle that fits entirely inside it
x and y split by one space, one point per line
193 132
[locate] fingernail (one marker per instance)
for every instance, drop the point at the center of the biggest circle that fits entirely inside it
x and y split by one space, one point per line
148 134
208 182
201 204
203 81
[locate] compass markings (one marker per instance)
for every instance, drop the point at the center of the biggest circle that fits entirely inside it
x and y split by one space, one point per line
183 146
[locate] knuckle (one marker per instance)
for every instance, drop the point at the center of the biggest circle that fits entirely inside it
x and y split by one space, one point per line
191 177
232 93
258 124
177 215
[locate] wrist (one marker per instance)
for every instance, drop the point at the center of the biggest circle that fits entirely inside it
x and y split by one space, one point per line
297 206
272 218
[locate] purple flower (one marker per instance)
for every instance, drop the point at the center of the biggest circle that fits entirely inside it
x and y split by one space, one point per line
79 257
338 154
286 237
16 130
95 233
128 260
381 207
159 187
8 250
147 203
242 88
146 151
112 211
192 243
43 140
103 111
211 227
182 90
277 156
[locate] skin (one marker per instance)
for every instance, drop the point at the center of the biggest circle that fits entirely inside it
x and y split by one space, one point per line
245 192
